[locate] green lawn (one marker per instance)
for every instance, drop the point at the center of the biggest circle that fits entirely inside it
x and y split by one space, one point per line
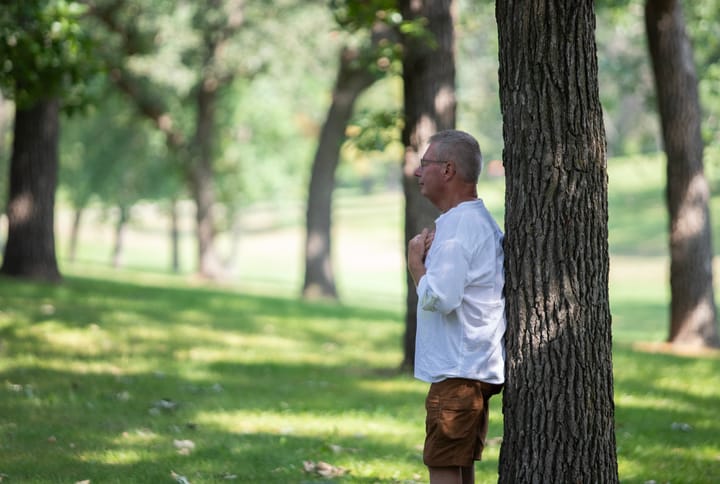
129 376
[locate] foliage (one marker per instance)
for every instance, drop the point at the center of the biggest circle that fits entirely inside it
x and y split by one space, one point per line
269 85
355 15
6 126
705 34
373 149
478 109
627 88
45 51
380 29
109 154
374 130
361 19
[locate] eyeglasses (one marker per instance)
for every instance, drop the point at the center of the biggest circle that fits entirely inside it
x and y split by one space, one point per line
424 162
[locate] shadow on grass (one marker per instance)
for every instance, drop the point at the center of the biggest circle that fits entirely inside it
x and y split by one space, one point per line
101 378
82 425
666 422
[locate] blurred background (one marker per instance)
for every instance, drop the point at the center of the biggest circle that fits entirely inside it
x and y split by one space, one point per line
188 132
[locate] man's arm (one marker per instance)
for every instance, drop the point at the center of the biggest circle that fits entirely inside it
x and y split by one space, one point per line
418 248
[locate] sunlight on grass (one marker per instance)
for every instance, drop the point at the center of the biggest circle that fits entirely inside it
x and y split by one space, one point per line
103 373
349 424
651 402
82 342
126 456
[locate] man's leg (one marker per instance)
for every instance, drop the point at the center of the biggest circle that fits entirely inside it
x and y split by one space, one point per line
468 475
446 475
452 475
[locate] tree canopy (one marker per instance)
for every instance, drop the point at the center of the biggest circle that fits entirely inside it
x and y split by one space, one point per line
45 52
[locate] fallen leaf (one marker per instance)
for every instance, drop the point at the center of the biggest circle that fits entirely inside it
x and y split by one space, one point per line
165 404
681 426
184 447
323 469
179 478
47 309
184 444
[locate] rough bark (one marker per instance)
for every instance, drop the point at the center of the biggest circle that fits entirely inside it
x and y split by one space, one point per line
558 398
693 313
429 90
30 248
351 81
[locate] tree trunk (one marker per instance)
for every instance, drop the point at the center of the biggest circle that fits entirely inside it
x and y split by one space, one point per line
175 235
558 398
351 81
693 314
30 248
429 90
201 181
74 233
232 261
118 247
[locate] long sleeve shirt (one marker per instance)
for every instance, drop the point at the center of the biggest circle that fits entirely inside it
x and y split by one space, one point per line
461 307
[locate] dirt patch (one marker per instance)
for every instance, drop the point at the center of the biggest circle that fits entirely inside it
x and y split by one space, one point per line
677 349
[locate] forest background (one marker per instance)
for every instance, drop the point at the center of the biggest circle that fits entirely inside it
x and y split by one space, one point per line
118 163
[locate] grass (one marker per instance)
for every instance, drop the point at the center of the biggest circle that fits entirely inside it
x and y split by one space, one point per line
261 385
120 376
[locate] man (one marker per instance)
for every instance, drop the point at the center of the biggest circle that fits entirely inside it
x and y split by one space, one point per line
458 273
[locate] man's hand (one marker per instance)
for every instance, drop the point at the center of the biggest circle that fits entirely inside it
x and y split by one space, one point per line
418 248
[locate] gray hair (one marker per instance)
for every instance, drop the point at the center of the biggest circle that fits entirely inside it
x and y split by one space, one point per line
462 148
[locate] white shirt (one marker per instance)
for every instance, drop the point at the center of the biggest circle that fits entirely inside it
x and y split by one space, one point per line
461 307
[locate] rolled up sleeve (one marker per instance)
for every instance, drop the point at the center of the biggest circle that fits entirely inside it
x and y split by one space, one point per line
442 287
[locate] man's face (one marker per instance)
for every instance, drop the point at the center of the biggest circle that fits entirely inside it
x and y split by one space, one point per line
430 174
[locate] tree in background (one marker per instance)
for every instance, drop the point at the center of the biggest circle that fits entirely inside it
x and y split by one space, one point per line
46 61
191 68
111 157
362 61
693 313
558 398
429 100
204 61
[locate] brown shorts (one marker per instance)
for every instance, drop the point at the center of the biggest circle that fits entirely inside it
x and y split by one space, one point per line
456 422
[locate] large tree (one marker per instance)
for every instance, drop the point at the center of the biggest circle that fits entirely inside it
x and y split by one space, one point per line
558 397
183 107
429 106
45 56
693 314
362 61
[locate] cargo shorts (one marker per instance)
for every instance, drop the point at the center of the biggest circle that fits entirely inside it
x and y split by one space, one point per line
457 422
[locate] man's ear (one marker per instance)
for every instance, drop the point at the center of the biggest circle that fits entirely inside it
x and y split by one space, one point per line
450 169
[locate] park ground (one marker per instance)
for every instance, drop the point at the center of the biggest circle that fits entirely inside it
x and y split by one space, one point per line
139 375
